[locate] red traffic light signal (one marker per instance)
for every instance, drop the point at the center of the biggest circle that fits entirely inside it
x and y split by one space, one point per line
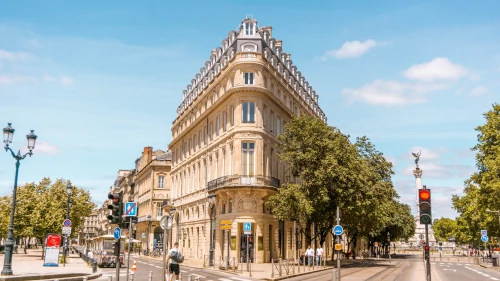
424 194
426 248
424 204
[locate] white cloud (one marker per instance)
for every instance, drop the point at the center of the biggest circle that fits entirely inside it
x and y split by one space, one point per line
67 80
49 78
351 49
437 69
14 56
383 92
478 91
13 79
43 147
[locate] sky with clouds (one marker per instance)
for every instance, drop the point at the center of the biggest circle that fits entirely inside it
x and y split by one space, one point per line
99 80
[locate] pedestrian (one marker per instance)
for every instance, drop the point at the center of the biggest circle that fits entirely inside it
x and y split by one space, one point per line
319 254
310 255
173 266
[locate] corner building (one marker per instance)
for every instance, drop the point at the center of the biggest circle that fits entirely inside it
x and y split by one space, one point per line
224 143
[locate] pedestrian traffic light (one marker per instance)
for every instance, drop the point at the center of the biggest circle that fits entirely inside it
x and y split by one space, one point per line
116 208
424 204
426 252
116 248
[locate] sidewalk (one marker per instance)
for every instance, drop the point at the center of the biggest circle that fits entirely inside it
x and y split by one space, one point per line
30 267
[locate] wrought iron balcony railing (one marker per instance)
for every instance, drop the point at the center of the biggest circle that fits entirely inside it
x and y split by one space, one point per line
238 180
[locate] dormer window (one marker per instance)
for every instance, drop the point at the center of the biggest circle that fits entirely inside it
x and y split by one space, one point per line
248 28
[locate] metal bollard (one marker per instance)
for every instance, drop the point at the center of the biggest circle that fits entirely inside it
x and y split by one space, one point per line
180 276
131 275
110 278
150 277
189 277
272 268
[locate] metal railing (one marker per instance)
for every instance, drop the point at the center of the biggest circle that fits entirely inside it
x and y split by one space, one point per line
282 267
238 180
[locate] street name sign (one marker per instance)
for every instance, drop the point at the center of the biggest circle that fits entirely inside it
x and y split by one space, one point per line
130 209
338 230
338 247
225 227
484 232
226 222
66 230
484 238
67 223
117 233
247 227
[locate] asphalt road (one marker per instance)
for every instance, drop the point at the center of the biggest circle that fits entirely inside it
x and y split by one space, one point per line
144 266
453 271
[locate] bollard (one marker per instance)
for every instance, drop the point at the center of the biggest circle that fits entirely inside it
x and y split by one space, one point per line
131 276
150 277
334 276
272 268
189 277
84 279
279 264
110 278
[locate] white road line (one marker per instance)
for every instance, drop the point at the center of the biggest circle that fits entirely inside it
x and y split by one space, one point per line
197 275
158 266
224 279
236 278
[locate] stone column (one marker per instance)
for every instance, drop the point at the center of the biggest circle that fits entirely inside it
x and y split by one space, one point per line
418 184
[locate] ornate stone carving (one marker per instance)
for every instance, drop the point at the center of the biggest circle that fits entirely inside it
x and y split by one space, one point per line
247 204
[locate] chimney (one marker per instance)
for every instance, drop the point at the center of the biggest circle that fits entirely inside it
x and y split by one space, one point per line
214 52
148 152
288 56
268 29
279 43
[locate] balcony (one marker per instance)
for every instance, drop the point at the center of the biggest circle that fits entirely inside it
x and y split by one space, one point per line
243 181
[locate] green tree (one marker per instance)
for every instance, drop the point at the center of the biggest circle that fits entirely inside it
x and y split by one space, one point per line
444 228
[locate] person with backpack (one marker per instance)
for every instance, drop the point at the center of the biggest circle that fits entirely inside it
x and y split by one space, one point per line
174 258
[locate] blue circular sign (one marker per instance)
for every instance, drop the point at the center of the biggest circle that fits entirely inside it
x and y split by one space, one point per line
338 230
484 238
67 223
117 233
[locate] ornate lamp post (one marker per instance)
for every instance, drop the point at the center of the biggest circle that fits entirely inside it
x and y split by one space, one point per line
8 134
211 202
69 190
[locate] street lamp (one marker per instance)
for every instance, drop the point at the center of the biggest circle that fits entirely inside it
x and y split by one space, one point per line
69 190
149 230
8 134
211 202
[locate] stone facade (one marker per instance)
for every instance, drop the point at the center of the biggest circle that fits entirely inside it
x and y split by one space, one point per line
224 143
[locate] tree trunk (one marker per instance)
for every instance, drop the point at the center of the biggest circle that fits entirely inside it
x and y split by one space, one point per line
43 247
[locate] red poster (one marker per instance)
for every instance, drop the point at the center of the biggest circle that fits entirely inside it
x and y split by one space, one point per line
53 240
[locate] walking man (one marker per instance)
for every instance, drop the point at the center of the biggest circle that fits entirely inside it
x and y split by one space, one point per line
173 266
310 255
319 254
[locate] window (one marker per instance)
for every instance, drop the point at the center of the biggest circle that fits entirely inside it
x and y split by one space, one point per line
248 112
161 181
248 28
248 153
271 163
232 115
248 76
194 143
224 121
159 210
264 119
217 125
272 122
211 130
278 125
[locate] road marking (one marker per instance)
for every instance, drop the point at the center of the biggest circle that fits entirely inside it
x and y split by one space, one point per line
158 266
449 269
197 275
236 278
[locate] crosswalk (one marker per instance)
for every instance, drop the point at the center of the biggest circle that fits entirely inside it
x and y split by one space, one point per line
193 276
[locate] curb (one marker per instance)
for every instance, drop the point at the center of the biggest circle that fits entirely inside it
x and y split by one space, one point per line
296 274
49 277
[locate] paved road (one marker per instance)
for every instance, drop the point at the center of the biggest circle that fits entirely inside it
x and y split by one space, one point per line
453 271
146 265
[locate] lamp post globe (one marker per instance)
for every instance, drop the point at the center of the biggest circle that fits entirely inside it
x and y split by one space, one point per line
8 135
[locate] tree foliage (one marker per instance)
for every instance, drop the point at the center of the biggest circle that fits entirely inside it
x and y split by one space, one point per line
444 228
328 171
482 189
41 208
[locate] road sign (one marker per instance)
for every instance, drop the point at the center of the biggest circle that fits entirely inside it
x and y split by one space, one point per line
440 249
484 232
166 222
338 230
247 227
67 223
228 227
484 238
130 209
226 222
117 233
66 230
338 247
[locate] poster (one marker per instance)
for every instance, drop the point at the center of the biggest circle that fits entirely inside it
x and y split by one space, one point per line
52 246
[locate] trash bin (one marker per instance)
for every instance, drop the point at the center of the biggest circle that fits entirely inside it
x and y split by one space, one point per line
494 261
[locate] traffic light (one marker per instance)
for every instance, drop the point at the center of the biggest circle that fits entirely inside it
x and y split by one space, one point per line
116 248
116 208
424 204
426 252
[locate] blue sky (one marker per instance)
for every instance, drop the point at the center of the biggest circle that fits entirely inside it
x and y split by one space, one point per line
99 80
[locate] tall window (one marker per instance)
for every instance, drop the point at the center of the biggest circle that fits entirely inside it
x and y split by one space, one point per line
248 76
248 28
223 162
159 210
248 153
278 125
248 112
232 115
161 181
211 130
264 117
224 121
217 125
272 122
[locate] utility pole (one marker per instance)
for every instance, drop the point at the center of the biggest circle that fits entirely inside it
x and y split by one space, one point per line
338 242
428 260
129 245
